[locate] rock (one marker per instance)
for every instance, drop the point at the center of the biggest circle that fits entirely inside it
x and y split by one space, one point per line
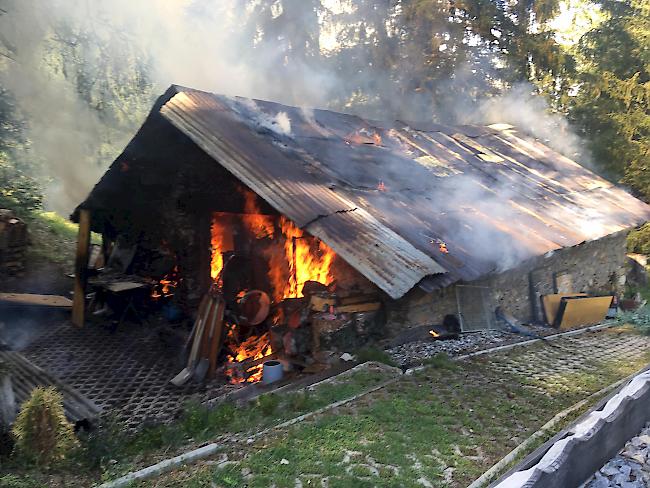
424 482
284 461
347 357
629 469
601 482
632 484
638 457
609 469
644 439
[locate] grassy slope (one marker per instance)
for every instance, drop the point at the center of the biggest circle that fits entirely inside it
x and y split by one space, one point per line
447 424
111 453
53 238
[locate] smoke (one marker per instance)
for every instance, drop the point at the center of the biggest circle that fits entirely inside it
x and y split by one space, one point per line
280 123
530 113
85 74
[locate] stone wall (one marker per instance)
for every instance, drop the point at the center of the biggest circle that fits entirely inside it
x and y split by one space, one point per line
592 267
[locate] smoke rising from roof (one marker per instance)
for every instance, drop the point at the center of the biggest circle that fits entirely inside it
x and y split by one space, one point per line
196 43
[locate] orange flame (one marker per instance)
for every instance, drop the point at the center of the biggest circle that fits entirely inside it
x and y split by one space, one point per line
260 226
255 347
293 257
166 286
309 260
217 238
434 333
363 136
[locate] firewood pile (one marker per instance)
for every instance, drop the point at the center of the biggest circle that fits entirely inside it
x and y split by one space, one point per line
322 323
13 242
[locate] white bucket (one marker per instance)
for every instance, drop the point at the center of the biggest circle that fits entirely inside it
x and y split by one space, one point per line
272 371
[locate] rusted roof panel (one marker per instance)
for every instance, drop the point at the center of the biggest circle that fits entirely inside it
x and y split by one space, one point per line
297 187
402 201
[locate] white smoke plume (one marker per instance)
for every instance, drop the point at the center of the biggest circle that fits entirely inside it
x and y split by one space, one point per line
195 43
186 42
529 112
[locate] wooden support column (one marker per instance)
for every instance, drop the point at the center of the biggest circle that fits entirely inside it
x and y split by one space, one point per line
81 267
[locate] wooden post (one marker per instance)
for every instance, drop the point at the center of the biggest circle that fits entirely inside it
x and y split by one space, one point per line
81 266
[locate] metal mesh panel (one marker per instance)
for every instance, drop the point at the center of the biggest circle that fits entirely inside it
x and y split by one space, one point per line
475 307
125 373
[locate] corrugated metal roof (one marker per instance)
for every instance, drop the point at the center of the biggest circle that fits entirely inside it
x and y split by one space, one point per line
298 188
26 376
401 201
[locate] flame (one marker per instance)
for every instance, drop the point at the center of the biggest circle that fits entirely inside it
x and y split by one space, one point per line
363 136
309 260
217 237
434 333
166 286
259 225
442 247
255 347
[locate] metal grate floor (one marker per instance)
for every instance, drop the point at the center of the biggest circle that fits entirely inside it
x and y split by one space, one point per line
126 373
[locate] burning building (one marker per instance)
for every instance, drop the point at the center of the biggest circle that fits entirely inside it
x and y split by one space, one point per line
425 219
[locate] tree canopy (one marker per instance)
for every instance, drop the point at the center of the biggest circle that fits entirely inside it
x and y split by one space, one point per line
408 59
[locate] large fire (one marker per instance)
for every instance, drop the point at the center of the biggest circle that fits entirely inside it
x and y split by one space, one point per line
308 259
293 257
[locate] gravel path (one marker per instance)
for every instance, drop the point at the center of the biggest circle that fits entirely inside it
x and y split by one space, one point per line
416 351
628 469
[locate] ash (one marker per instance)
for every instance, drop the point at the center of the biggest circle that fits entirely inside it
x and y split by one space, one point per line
413 353
629 469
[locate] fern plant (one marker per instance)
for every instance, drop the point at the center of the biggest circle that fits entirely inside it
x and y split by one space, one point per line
42 433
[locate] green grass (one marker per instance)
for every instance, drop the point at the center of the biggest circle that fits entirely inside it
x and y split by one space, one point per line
374 354
108 453
14 481
449 421
53 237
464 416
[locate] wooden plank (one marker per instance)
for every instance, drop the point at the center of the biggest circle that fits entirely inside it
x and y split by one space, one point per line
208 319
81 265
359 307
582 311
217 337
35 300
551 304
121 286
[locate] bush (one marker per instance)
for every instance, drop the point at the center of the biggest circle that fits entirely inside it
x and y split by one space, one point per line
42 433
638 318
638 240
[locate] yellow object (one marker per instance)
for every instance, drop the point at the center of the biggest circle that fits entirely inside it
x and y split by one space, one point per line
551 305
582 311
